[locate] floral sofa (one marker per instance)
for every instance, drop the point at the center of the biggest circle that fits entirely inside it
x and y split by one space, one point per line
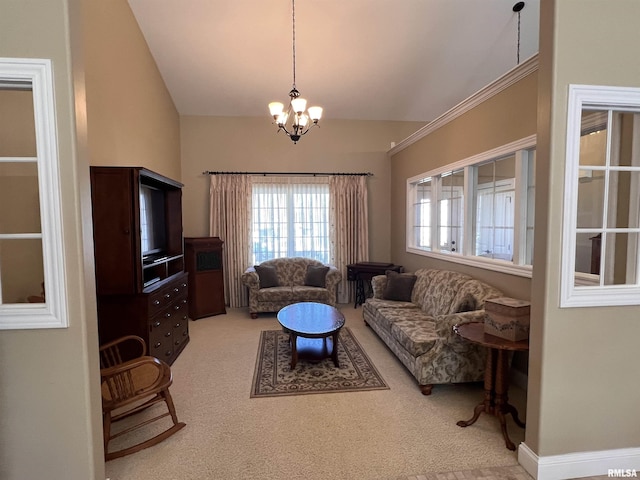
274 284
417 324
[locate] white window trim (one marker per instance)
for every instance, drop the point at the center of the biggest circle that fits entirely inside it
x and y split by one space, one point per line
53 313
496 265
571 295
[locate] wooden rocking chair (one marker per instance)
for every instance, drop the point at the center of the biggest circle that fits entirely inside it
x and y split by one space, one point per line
132 382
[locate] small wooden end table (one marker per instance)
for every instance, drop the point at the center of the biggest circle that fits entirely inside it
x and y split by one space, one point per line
496 376
315 321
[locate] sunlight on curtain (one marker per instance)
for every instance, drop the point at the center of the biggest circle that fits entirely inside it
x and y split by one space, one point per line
349 223
290 218
230 218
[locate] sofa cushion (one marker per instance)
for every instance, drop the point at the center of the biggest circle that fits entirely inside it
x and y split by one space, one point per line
399 286
417 335
480 291
387 316
316 276
275 294
302 293
442 291
268 276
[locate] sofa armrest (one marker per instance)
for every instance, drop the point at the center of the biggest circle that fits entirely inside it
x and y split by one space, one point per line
378 284
333 278
250 279
445 323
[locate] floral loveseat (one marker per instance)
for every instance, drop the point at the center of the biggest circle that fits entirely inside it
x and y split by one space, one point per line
274 284
416 318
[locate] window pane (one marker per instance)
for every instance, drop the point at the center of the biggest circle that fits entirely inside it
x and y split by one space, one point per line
622 207
19 198
622 150
531 190
422 215
588 252
451 211
290 219
590 199
21 269
495 214
619 265
593 141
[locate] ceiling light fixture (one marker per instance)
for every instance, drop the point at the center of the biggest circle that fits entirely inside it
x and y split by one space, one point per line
300 122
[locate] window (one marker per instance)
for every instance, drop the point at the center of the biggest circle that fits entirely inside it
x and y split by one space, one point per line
290 218
478 211
601 230
31 248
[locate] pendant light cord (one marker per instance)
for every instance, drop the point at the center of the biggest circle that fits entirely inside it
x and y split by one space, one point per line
293 5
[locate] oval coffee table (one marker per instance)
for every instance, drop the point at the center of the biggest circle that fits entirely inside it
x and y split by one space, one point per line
312 320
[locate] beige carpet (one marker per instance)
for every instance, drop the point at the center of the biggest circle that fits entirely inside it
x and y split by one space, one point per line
383 434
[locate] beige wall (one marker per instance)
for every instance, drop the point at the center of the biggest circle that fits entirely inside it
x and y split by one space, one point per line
50 422
252 144
132 119
583 389
504 118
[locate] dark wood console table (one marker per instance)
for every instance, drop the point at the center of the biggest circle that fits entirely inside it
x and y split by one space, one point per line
363 272
496 376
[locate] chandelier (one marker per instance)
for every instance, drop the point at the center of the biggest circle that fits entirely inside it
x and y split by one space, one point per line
294 121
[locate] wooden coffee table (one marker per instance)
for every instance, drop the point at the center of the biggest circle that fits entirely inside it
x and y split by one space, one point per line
314 321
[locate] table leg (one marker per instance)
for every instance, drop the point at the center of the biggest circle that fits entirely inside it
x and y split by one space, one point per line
294 350
502 405
489 379
334 353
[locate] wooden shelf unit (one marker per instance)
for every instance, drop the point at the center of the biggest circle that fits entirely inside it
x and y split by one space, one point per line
140 293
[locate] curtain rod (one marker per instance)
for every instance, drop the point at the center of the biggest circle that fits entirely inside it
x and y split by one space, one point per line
293 174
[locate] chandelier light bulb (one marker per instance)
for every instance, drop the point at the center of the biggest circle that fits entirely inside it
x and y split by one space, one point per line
276 109
315 113
299 105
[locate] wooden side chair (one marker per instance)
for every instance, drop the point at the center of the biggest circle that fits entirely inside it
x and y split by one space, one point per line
132 382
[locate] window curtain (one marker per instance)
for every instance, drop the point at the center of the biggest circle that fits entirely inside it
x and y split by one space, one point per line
290 218
349 222
230 219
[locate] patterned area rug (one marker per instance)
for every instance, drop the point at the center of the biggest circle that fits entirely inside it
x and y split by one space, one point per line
273 375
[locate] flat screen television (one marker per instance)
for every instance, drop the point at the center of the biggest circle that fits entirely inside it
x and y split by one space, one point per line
153 237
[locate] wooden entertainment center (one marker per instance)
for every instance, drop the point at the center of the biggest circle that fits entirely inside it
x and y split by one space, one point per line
141 283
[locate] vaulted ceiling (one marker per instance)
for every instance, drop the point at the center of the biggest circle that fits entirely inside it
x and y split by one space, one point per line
359 59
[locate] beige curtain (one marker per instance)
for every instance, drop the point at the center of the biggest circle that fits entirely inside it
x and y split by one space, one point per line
349 221
230 219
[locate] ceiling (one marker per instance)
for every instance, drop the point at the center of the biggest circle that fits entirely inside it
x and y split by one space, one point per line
359 59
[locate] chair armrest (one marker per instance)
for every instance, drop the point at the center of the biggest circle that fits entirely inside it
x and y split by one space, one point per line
250 279
145 382
445 323
378 284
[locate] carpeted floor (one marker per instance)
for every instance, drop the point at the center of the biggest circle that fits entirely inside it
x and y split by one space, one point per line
370 435
274 377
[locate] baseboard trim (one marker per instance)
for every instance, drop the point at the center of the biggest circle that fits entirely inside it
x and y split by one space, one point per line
578 465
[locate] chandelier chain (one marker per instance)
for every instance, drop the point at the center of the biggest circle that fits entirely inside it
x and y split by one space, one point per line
293 6
518 54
